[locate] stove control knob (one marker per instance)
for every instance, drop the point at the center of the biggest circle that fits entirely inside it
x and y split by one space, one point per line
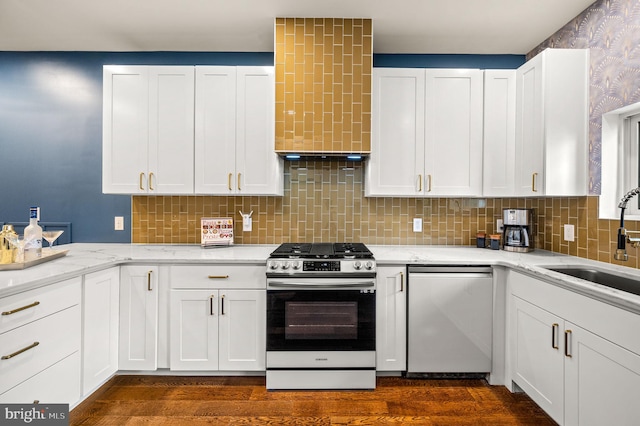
368 265
296 265
286 265
274 265
357 264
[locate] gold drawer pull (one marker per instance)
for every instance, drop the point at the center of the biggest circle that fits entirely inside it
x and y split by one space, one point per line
21 309
140 181
218 277
533 182
149 281
239 175
16 353
567 335
229 181
151 177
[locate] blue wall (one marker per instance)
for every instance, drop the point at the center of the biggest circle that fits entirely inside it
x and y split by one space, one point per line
51 129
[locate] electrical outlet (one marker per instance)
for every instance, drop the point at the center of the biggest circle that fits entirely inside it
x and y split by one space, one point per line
118 224
417 224
247 222
569 232
499 226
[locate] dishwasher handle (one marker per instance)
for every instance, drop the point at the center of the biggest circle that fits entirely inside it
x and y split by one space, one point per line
450 269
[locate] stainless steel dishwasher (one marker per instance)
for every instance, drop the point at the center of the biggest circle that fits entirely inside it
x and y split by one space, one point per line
450 311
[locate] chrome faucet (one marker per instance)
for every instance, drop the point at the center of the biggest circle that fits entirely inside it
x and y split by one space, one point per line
624 235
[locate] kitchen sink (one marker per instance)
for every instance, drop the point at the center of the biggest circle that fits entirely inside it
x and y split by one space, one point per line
607 279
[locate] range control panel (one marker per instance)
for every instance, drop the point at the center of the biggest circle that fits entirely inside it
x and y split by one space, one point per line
302 267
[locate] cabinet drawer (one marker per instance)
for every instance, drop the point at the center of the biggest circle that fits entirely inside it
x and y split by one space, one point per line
57 335
58 384
32 305
219 276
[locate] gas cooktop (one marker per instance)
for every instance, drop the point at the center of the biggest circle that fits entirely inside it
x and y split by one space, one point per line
322 251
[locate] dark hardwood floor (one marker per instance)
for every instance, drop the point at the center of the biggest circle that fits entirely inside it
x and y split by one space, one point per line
164 400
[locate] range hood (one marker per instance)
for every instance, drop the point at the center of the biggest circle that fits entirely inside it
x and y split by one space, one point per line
323 72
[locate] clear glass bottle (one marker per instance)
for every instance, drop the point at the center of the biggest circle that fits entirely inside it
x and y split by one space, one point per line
7 249
33 236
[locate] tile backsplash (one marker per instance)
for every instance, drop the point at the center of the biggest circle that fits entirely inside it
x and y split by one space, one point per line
324 202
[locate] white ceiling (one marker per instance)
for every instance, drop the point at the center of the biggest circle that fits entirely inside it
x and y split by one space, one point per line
399 26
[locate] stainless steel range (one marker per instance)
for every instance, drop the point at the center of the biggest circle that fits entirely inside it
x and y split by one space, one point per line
321 317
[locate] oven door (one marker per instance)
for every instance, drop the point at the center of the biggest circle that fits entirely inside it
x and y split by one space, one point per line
321 316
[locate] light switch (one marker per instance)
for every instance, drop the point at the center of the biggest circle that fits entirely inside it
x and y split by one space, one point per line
417 224
569 232
118 223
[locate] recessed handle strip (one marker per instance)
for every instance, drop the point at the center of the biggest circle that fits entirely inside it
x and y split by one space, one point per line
554 339
211 303
16 353
401 281
36 303
567 353
218 277
222 302
149 280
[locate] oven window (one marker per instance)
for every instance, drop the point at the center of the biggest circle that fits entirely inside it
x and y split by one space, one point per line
321 320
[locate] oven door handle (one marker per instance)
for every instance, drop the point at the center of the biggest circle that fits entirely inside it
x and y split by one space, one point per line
274 285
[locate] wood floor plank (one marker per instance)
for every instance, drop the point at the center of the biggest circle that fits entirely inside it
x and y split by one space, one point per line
194 401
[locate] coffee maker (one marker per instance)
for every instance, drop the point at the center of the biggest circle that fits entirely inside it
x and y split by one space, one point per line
518 226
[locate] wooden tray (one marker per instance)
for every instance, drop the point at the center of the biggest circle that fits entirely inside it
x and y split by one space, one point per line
47 255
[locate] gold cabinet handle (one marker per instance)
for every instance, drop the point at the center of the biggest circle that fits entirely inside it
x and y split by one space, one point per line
554 329
229 181
419 183
239 175
567 353
533 182
149 280
401 281
151 181
218 277
36 303
140 181
16 353
429 187
211 304
222 303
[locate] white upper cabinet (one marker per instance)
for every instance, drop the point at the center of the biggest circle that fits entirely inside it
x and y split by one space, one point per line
234 136
148 129
551 124
499 145
426 134
397 148
453 133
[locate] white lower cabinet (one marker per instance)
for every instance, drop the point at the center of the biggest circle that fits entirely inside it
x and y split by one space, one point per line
567 354
218 330
100 333
391 319
138 330
40 345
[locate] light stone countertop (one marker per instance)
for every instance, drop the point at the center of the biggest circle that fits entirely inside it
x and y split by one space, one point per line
87 258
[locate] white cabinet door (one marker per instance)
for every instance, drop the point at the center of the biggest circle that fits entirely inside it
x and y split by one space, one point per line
215 130
242 330
148 129
171 106
396 164
259 170
391 319
138 347
552 123
538 357
601 381
125 129
193 329
453 132
498 179
100 328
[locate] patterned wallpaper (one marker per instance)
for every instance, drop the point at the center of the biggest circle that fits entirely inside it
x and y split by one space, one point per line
611 30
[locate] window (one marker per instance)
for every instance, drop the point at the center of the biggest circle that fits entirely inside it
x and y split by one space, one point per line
620 161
